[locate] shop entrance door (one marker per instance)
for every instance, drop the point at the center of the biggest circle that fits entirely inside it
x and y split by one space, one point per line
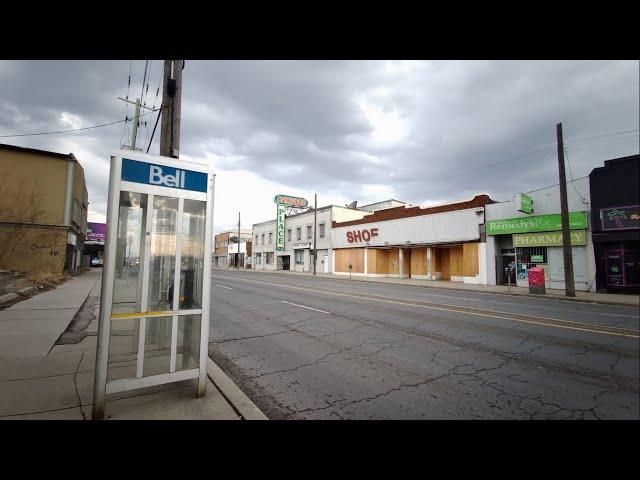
286 259
155 288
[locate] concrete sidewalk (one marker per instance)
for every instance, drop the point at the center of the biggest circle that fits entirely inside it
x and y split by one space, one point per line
40 379
606 298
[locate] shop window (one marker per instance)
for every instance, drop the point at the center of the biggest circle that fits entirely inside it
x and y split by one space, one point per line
299 256
269 260
528 257
258 258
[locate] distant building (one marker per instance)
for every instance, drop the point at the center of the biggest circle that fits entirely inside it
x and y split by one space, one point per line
391 203
228 252
520 238
298 242
94 245
615 219
443 242
43 210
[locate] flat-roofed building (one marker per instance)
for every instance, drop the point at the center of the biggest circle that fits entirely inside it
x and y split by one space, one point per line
43 210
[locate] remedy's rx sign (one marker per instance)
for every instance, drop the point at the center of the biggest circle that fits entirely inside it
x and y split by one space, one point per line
163 176
539 223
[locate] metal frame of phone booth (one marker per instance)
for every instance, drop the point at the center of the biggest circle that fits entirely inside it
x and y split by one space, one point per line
157 275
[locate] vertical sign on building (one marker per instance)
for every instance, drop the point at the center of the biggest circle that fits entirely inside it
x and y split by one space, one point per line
280 227
524 203
283 201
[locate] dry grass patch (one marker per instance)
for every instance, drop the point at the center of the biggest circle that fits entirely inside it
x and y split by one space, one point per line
45 278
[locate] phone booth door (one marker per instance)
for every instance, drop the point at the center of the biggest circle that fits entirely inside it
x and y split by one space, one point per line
155 287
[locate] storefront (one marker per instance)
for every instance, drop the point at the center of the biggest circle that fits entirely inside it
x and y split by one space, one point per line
518 239
436 243
616 224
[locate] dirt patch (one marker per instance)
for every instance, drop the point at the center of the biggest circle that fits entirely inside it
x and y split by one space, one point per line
46 279
11 282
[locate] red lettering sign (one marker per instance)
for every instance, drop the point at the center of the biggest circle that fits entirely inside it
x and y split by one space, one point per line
361 235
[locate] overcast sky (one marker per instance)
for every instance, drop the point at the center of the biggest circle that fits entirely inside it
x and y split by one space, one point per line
425 132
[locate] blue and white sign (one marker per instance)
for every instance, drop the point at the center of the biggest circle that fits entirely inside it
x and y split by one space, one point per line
162 175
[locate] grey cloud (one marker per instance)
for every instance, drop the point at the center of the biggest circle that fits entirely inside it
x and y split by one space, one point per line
299 123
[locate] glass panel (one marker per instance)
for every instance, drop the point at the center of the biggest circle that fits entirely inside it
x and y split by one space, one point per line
188 352
123 344
127 281
192 254
157 346
162 254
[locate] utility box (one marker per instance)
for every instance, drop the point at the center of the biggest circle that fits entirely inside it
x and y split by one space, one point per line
536 280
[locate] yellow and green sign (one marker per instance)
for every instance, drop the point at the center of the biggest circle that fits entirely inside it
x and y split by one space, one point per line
548 239
282 202
538 223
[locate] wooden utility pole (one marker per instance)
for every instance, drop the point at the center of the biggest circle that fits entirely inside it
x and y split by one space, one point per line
315 233
238 257
171 102
137 103
570 289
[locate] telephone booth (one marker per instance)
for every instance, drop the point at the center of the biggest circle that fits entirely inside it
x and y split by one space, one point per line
155 299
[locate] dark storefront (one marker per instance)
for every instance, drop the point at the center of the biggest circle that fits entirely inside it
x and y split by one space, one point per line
615 217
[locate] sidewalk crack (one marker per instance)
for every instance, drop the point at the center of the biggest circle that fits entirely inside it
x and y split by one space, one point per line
75 382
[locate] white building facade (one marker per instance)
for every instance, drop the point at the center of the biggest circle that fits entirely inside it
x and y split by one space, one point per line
299 240
517 241
434 243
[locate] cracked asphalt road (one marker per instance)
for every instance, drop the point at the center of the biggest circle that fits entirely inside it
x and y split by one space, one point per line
381 351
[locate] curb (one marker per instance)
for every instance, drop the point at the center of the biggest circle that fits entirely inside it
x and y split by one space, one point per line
548 297
230 391
8 297
26 291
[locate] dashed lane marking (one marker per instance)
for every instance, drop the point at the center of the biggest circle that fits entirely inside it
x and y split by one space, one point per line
544 321
302 306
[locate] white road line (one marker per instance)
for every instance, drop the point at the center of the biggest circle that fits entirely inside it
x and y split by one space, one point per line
308 308
218 285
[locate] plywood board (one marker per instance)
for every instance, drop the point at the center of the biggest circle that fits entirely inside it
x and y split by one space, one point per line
470 259
418 261
455 261
353 256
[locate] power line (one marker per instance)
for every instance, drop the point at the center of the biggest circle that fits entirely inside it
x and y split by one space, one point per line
154 127
566 152
496 163
601 136
73 129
